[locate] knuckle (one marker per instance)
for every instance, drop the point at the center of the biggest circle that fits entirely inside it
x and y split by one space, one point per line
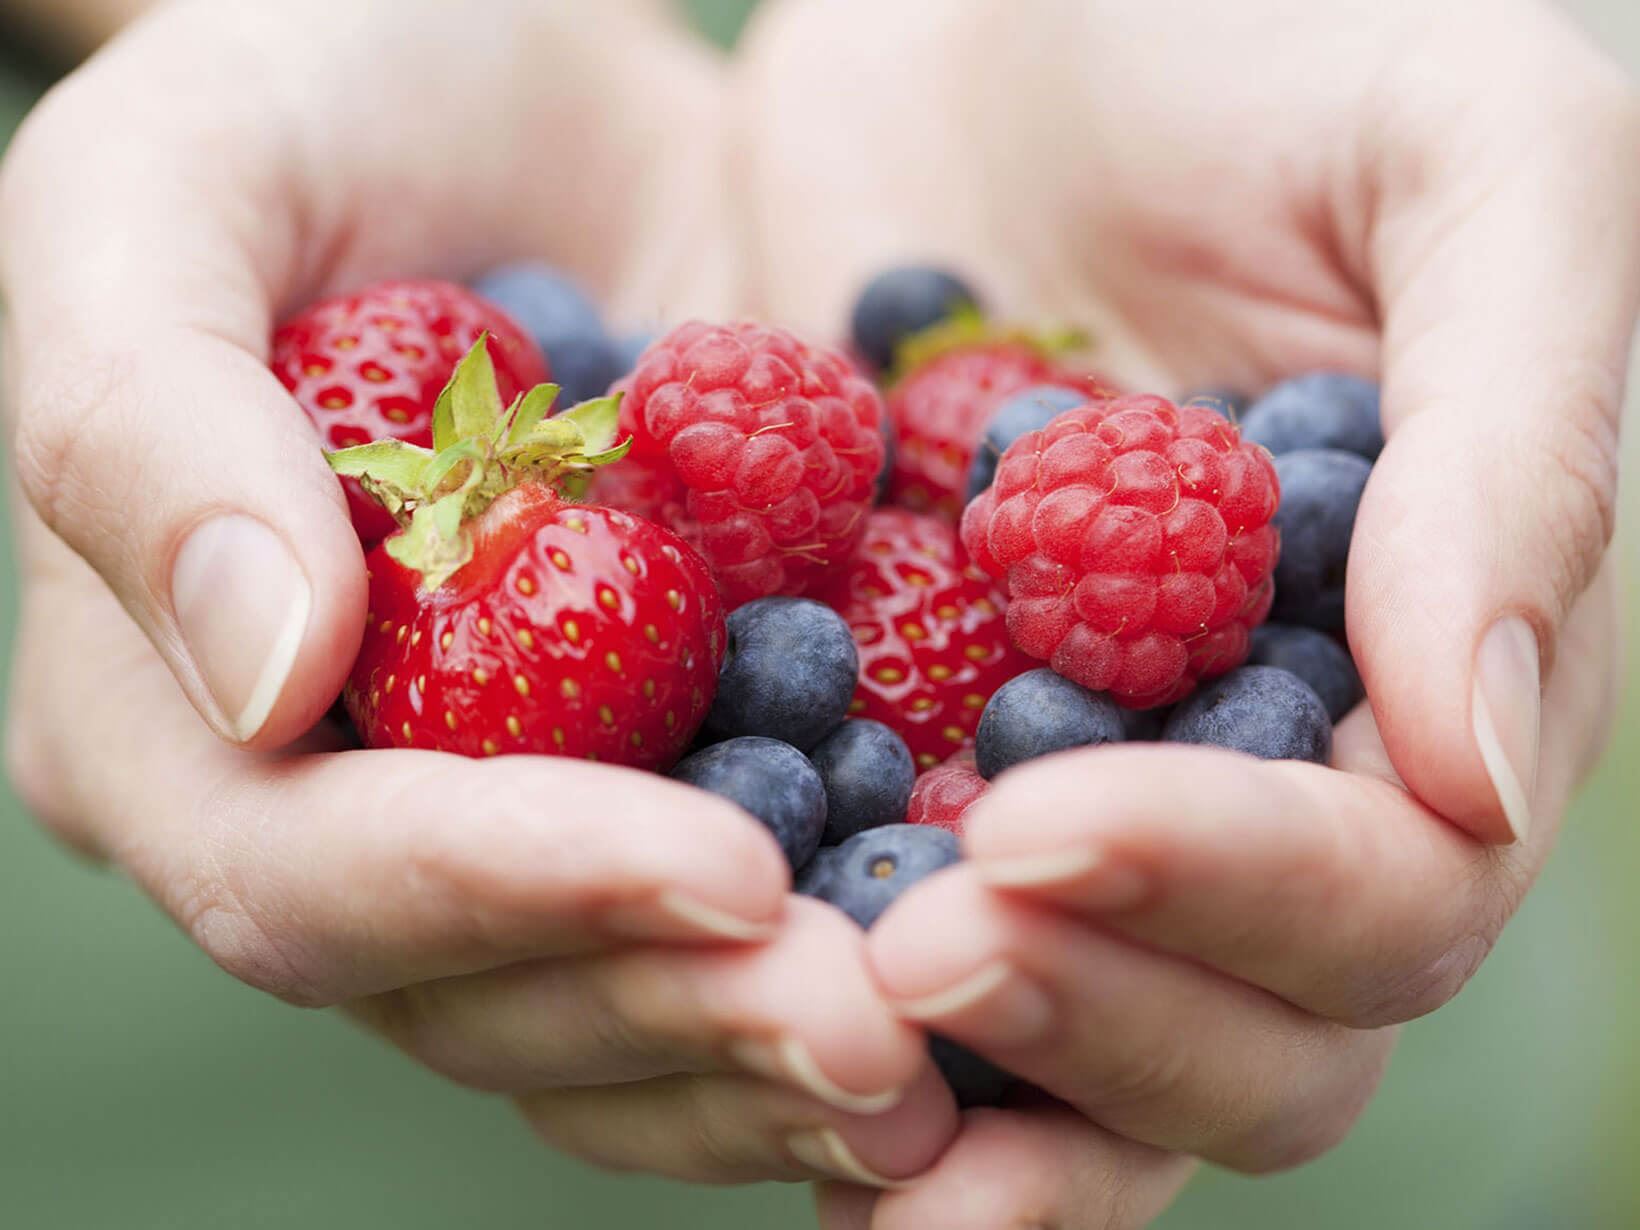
1583 454
1428 985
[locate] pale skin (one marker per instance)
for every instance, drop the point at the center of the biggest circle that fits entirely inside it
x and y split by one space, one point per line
1195 954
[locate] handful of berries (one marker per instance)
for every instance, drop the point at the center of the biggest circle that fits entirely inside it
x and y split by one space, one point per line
693 569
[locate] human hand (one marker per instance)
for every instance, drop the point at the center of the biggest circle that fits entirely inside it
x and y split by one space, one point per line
1200 953
614 951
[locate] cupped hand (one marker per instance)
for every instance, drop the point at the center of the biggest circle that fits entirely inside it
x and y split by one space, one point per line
614 951
1197 952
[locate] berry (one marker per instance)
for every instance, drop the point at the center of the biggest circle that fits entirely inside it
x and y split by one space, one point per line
1041 713
1231 403
766 452
1314 657
1321 410
900 302
870 870
564 322
811 881
1031 410
1260 710
370 367
789 672
868 776
505 619
932 636
1320 494
771 780
1135 543
943 795
941 407
1145 725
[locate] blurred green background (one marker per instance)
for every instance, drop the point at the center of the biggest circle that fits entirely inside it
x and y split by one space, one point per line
140 1088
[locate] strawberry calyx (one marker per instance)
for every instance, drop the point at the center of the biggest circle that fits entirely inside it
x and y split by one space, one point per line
967 329
482 448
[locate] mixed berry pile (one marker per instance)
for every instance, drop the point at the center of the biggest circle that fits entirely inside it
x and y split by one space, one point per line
844 588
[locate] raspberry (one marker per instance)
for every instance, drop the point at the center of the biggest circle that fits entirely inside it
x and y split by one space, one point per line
943 795
1135 545
759 449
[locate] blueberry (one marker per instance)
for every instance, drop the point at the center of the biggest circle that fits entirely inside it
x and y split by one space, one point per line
1320 493
1039 713
814 878
1315 658
1260 710
1143 725
564 322
869 871
1321 410
789 674
868 773
1031 410
629 348
773 781
891 448
900 302
975 1081
1232 403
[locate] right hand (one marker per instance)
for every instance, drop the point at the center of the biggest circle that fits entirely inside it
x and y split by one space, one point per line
615 951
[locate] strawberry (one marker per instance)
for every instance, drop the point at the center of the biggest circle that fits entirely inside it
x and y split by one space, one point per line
371 366
931 631
505 618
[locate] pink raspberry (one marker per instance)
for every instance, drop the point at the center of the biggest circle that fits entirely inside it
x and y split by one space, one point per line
943 795
1133 538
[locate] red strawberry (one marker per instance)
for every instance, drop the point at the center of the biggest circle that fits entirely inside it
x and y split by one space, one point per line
762 451
931 629
506 619
943 795
370 366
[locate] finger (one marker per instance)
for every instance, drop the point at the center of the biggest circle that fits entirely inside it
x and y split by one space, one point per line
740 1129
1043 1167
1492 505
1157 1049
800 1010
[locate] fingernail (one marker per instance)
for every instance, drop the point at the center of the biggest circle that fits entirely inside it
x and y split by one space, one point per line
675 915
1102 882
826 1152
997 1006
242 605
790 1061
1506 710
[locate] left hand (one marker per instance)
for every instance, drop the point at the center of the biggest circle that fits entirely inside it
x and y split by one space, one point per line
1200 953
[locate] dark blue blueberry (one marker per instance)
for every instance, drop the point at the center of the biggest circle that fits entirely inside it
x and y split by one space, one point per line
1143 725
1320 493
1039 713
1260 710
812 880
1232 403
1321 410
629 349
974 1081
900 302
1314 657
869 871
564 322
773 781
789 674
868 772
1031 410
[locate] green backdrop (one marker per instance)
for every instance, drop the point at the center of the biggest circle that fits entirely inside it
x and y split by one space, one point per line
140 1088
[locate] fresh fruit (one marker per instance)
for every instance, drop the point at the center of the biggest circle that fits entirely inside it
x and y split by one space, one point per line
764 452
370 366
1259 710
1135 545
932 636
788 674
1145 725
1314 657
771 780
1041 713
871 869
1320 494
553 309
811 880
943 795
940 408
868 776
506 619
899 302
1321 410
1031 410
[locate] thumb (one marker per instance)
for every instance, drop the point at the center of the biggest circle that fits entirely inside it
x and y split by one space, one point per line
1508 282
150 434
